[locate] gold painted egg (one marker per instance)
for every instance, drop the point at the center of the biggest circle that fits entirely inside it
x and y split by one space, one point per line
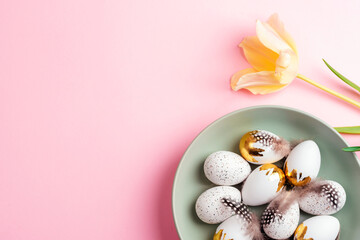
261 147
303 163
319 227
263 185
244 225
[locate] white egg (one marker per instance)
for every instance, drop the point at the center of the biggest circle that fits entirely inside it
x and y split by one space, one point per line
263 185
280 224
234 228
323 198
303 163
318 228
243 226
226 168
209 206
260 147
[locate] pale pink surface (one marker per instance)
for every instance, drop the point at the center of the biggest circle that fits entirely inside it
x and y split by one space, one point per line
99 100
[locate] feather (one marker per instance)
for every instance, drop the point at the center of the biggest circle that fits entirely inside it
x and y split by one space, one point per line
285 200
282 146
313 186
254 229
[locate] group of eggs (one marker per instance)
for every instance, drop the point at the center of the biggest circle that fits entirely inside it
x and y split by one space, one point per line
286 190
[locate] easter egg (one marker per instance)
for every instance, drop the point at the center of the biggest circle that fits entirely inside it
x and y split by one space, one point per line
233 228
261 147
318 228
279 224
244 225
209 206
303 163
263 185
323 198
226 168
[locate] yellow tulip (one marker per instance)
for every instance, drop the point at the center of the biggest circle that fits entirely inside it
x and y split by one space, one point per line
273 56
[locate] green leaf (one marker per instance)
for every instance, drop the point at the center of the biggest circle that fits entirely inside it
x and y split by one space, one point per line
351 130
351 149
347 81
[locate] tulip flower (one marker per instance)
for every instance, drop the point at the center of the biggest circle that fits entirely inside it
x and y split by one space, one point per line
273 56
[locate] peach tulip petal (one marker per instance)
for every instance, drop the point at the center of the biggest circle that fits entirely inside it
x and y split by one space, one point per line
260 57
262 90
278 26
257 82
270 38
235 78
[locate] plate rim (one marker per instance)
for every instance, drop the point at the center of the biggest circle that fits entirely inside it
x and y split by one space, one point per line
226 116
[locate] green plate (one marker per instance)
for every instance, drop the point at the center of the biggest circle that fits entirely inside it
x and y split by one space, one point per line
292 124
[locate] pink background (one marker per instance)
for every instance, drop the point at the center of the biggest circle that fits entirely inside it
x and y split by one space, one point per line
100 99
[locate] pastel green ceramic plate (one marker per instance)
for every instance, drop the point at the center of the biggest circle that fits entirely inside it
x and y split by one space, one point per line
292 124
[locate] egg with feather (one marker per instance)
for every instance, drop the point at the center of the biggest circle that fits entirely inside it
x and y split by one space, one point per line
244 225
261 147
322 197
281 217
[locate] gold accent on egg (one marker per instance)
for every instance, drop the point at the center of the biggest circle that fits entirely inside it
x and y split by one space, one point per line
292 177
275 171
246 146
300 233
218 235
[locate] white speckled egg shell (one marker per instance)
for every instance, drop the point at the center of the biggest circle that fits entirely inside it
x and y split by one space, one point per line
306 159
226 168
260 188
279 225
235 228
209 207
269 155
329 200
321 228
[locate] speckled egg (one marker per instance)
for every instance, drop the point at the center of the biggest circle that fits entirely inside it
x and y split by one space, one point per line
209 206
261 147
323 198
318 228
280 225
263 185
226 168
303 163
